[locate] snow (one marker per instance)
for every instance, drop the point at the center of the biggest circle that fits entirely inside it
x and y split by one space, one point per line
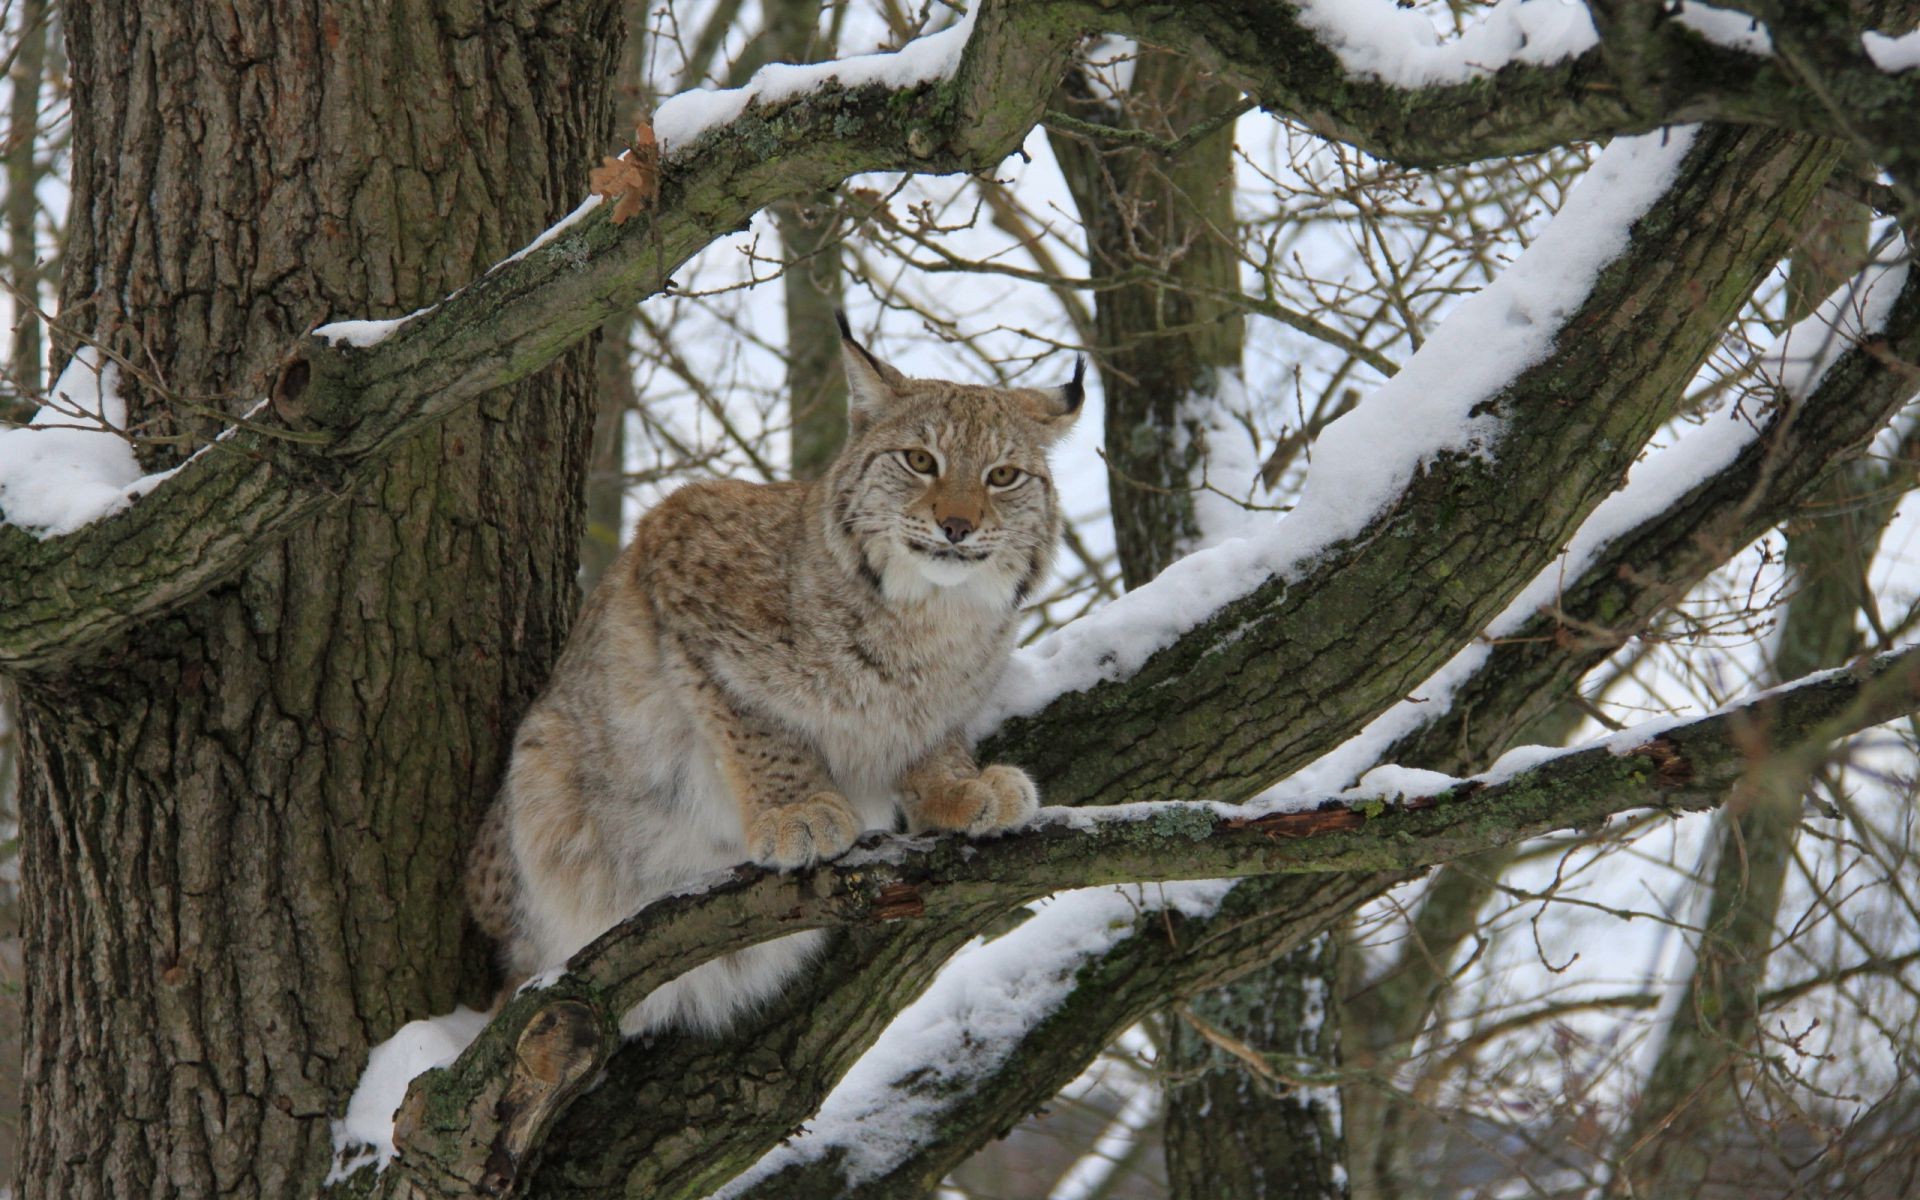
1893 54
1795 362
684 119
1367 457
1393 782
1378 38
360 334
556 229
973 1016
1734 30
365 1134
68 466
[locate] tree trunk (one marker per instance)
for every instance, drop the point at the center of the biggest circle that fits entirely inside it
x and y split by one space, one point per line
243 830
811 284
23 202
1169 348
1238 1133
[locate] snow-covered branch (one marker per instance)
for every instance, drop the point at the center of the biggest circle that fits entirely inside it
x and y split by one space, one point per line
957 101
1281 674
349 394
894 1123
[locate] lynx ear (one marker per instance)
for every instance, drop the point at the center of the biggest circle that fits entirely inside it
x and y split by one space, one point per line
872 386
1060 405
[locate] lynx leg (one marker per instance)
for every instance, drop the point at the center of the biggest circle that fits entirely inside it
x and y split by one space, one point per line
947 791
789 812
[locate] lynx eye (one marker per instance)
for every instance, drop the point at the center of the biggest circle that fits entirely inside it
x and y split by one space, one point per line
921 461
1004 476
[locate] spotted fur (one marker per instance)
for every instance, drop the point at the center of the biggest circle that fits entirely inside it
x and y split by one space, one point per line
769 669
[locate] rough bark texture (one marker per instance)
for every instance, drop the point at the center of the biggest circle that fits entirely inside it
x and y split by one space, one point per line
24 78
244 827
1262 917
1286 671
1161 257
1235 1132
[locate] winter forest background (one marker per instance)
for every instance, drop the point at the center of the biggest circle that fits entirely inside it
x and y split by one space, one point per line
1504 379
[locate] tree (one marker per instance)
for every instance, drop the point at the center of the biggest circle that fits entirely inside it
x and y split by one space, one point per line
262 705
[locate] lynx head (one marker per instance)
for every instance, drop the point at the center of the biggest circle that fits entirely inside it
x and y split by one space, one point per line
943 490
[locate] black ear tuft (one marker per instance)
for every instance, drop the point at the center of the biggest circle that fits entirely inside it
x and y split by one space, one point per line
1075 390
840 319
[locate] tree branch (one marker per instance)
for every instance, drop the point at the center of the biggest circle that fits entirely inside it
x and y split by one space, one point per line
73 595
1370 843
1230 704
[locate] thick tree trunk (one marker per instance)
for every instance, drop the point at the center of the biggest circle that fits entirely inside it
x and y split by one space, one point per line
1161 254
1235 1132
243 831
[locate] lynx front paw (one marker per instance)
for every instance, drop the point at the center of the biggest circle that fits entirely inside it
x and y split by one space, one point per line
998 798
797 835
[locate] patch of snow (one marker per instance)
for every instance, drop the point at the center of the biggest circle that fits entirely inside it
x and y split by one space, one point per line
1893 54
360 334
541 981
69 465
1722 27
365 1134
681 121
1380 39
1367 457
984 1001
1396 782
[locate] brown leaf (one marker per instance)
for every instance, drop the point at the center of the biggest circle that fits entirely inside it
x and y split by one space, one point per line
632 180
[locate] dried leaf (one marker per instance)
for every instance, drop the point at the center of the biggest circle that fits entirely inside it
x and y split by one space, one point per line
632 180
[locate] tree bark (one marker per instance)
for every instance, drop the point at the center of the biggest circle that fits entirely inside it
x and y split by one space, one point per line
25 77
1238 1133
244 827
811 283
1163 258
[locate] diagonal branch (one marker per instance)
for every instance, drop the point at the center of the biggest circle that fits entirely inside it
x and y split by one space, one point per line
1274 679
1864 386
73 595
1370 843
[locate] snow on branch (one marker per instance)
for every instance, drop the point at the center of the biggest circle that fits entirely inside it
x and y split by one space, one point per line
998 1003
1467 471
1755 464
1437 405
958 100
455 1123
348 395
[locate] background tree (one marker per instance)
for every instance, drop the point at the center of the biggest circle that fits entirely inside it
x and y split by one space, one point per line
257 723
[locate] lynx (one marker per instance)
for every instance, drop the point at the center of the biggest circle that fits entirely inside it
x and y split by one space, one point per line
767 670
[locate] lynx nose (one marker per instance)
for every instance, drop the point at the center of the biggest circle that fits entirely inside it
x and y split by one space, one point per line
956 529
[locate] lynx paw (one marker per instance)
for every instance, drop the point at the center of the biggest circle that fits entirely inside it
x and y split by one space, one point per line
998 798
797 835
